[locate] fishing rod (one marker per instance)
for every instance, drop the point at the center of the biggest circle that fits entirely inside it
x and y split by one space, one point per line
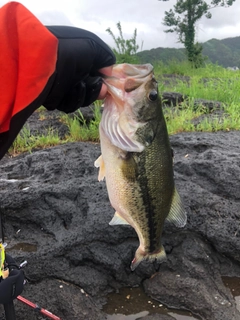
36 307
9 308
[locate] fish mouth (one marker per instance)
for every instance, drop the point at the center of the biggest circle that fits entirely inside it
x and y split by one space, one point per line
125 70
118 122
127 77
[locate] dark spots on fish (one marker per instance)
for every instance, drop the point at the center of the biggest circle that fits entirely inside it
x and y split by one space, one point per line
146 134
148 203
149 138
129 167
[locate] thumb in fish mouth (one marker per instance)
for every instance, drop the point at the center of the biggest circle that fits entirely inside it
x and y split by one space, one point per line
103 92
107 71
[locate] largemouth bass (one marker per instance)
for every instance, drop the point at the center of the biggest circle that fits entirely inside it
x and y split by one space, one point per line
136 159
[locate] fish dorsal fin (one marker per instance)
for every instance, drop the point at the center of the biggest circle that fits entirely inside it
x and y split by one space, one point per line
177 214
99 163
117 219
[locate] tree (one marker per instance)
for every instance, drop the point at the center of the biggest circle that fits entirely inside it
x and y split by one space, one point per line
182 20
126 49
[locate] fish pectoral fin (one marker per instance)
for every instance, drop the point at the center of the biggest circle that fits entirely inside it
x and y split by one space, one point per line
117 219
99 163
177 214
160 256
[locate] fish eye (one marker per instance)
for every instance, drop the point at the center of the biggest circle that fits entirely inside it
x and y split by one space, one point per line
153 95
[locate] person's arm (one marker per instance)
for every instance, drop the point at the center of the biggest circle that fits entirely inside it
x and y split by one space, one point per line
72 79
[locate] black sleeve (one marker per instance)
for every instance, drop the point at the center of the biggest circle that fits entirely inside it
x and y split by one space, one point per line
12 286
80 55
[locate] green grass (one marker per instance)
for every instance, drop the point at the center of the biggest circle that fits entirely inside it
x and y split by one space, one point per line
184 118
79 130
211 82
184 68
225 90
25 141
179 119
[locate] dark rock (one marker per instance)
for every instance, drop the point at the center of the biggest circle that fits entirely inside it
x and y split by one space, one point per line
209 105
62 299
42 122
197 284
173 79
172 99
208 166
57 212
88 113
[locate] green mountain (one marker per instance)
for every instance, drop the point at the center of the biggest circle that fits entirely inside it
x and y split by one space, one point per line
225 52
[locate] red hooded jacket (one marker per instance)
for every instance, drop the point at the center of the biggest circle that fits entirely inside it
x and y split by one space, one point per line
55 66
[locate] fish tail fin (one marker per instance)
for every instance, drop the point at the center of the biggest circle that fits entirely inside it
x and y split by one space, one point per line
140 256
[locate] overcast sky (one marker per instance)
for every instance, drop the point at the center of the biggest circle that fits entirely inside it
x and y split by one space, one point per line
144 15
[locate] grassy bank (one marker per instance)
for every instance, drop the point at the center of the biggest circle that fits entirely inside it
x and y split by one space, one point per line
211 83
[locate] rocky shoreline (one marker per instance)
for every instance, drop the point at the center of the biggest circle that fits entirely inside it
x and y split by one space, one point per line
56 216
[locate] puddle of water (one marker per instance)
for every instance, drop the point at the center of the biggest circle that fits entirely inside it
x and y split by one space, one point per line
23 246
129 317
130 303
233 283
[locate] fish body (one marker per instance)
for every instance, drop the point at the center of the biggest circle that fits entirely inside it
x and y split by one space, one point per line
136 159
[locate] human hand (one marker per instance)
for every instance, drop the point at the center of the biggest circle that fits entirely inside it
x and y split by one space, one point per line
103 92
82 60
96 89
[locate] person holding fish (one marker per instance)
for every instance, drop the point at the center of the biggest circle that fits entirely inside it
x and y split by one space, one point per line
59 67
62 68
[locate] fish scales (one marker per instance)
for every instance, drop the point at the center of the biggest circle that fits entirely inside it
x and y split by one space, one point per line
156 175
137 161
